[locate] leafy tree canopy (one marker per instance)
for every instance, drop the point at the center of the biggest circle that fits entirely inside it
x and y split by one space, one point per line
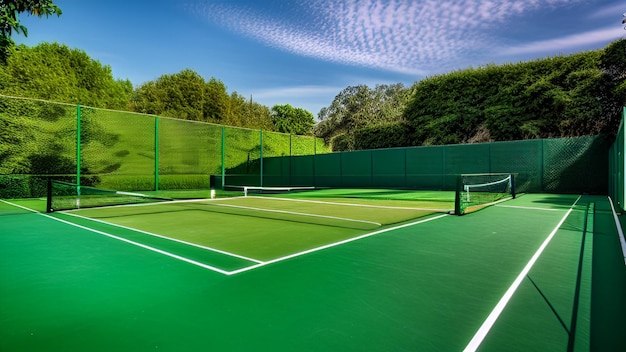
9 19
554 97
358 107
55 72
288 119
186 95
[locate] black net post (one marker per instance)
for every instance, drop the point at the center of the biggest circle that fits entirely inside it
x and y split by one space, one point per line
49 196
457 198
512 185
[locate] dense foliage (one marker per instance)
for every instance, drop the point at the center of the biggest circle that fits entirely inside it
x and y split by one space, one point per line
360 107
554 97
186 95
10 22
580 94
55 72
288 119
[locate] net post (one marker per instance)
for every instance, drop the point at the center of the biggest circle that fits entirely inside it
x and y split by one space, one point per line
512 178
457 197
49 196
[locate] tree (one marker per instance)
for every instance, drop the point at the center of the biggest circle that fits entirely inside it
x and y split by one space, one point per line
358 107
180 95
55 72
9 19
288 119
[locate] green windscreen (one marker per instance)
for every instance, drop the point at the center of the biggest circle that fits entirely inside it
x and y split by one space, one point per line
566 165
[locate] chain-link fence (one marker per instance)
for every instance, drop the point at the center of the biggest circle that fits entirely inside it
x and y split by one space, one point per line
128 151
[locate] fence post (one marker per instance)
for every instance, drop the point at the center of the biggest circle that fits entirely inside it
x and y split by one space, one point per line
78 152
156 153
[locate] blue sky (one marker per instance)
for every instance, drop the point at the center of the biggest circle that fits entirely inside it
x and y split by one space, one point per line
304 52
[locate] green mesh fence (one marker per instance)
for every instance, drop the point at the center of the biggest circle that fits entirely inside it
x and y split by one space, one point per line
117 149
127 151
563 165
617 175
189 152
37 140
134 152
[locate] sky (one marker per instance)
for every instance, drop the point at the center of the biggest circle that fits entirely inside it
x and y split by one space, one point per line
305 52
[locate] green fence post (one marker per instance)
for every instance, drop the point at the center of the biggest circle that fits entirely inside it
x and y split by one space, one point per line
223 157
261 157
156 153
78 152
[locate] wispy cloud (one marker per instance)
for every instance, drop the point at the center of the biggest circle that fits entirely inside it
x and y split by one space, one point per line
308 91
415 37
611 11
568 42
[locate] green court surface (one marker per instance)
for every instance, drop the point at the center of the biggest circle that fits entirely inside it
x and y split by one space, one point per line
536 273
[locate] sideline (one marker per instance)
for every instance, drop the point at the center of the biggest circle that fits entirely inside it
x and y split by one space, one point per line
618 224
499 308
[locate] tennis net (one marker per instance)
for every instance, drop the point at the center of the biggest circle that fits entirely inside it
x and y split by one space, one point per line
68 196
476 191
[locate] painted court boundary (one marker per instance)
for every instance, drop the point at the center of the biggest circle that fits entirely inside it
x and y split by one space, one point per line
499 308
218 270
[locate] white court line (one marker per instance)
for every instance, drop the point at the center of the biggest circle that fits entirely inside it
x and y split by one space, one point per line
349 204
296 213
239 270
497 310
165 237
335 244
124 240
527 208
619 230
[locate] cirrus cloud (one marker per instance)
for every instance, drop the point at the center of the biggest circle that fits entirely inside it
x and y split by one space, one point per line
413 37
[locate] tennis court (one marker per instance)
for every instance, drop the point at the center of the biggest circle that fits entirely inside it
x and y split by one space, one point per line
524 274
131 232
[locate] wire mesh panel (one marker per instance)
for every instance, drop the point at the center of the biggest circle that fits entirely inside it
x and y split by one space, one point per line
117 149
303 145
617 178
37 140
189 152
523 159
242 151
573 164
467 159
276 168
